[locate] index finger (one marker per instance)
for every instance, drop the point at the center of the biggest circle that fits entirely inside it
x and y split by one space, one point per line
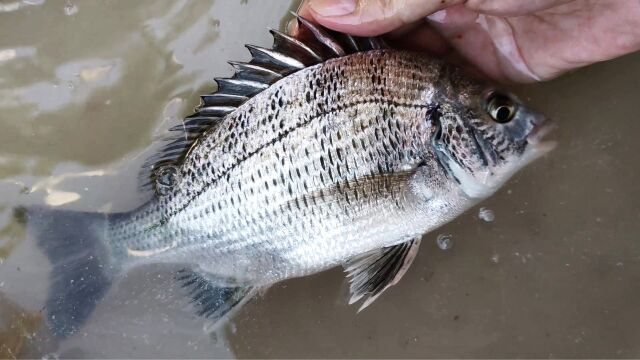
370 17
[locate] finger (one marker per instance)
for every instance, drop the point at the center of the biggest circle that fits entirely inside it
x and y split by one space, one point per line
405 30
467 32
512 7
304 10
371 17
421 37
540 47
578 34
292 25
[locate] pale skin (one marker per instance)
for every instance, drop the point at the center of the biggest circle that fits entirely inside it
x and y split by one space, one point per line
507 40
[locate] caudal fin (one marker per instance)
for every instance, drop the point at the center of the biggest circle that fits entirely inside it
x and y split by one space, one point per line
82 267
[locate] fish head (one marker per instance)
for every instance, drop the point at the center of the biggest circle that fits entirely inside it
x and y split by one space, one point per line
484 136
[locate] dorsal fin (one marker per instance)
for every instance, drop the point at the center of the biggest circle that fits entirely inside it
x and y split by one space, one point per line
311 45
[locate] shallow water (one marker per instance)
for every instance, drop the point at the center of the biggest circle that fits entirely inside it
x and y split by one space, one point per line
86 86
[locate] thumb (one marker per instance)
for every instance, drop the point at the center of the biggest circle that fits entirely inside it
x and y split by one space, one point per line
371 17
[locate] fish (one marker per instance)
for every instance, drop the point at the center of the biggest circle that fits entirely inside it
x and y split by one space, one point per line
324 150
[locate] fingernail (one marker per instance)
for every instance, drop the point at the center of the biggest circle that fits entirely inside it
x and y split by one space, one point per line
333 7
438 16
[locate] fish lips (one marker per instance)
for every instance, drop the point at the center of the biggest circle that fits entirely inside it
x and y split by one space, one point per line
538 135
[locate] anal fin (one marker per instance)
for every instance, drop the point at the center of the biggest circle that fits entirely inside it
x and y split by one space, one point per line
210 299
373 272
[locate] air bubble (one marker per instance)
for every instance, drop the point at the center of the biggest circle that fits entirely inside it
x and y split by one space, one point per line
70 8
444 241
486 215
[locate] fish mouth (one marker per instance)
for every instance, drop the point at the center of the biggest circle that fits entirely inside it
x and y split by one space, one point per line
537 137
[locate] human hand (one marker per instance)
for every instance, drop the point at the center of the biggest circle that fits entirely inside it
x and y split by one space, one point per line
508 40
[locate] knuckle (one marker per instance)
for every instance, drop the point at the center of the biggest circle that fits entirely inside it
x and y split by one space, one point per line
389 8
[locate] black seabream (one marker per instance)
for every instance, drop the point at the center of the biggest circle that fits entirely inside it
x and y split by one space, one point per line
325 150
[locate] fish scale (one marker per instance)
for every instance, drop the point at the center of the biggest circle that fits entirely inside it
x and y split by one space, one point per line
298 129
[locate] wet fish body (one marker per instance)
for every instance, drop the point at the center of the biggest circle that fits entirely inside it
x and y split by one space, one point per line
325 150
301 177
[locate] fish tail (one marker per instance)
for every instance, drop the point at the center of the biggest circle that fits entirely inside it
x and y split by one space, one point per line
83 264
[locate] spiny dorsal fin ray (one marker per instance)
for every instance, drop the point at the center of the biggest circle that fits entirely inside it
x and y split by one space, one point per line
371 43
287 44
221 99
371 273
195 123
240 86
255 73
316 34
311 45
270 58
349 42
219 110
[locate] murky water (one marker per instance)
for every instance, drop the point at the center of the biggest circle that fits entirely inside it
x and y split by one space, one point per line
86 86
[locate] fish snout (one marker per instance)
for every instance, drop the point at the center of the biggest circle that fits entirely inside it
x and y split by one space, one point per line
542 126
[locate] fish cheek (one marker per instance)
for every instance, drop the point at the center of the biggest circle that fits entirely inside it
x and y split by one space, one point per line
453 142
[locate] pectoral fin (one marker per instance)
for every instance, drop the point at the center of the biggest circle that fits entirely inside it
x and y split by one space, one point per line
371 273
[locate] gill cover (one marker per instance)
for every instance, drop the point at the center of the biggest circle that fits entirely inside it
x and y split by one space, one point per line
466 167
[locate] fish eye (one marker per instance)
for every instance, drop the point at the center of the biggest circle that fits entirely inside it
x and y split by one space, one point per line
501 108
